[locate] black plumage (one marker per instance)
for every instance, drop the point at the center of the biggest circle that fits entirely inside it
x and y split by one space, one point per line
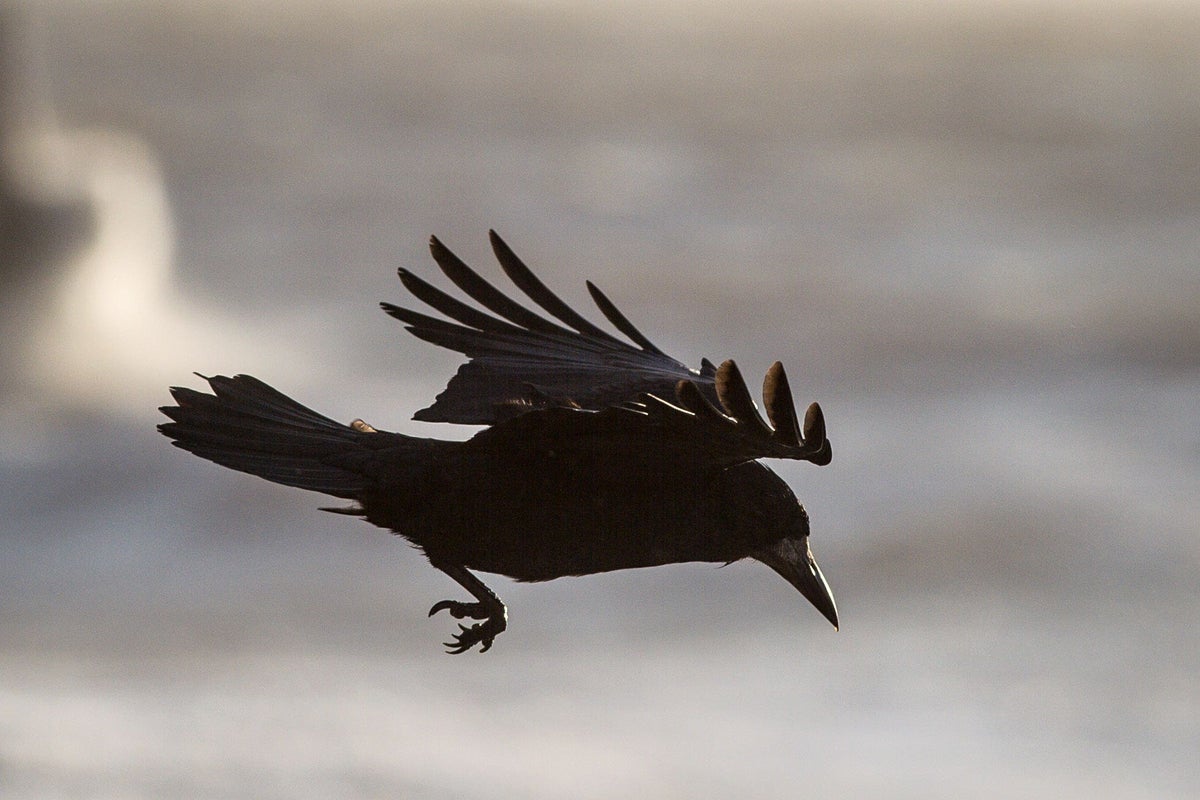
601 454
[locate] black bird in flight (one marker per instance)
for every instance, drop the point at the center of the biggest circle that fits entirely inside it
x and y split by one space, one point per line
600 454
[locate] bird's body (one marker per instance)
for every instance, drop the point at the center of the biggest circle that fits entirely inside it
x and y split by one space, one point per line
561 483
535 514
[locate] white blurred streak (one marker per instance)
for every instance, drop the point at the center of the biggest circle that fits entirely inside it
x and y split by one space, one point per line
106 329
115 331
113 289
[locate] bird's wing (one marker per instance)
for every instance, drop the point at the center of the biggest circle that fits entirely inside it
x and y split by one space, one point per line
688 434
520 360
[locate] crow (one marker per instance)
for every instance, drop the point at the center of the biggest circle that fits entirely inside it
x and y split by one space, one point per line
600 454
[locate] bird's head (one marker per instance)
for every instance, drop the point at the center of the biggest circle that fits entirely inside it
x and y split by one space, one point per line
792 558
772 525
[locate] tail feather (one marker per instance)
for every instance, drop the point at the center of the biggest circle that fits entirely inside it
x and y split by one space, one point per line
248 426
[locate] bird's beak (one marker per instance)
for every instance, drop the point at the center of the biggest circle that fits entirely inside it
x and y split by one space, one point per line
793 559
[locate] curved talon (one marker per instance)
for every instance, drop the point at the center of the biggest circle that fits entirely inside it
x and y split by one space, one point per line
460 610
482 634
488 608
469 638
441 605
457 646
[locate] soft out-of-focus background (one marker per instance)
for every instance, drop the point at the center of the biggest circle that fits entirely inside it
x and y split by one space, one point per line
971 230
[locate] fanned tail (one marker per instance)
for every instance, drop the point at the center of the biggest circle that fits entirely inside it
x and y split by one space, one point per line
248 426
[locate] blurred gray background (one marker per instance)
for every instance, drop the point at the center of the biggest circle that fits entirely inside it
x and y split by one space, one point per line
970 230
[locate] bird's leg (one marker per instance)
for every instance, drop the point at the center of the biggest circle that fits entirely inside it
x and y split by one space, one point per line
488 608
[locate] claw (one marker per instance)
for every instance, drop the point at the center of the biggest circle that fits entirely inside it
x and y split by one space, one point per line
489 609
441 605
482 634
474 635
458 645
460 610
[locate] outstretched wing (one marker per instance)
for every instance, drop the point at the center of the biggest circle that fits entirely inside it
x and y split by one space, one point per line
691 432
520 360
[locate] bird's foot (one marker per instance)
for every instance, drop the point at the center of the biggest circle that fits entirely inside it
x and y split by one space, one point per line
495 620
481 633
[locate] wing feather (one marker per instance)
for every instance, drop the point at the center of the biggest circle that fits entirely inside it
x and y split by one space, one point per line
537 291
485 293
655 433
579 386
518 359
620 321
